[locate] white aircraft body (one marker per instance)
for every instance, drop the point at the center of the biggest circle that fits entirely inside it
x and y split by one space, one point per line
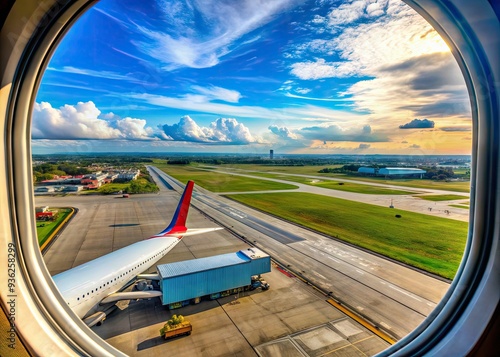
89 288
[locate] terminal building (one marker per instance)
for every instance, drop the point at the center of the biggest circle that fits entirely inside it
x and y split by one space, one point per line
214 276
392 172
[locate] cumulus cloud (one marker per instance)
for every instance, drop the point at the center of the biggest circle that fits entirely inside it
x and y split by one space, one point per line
347 13
364 146
84 121
322 69
282 132
334 132
418 124
221 131
414 146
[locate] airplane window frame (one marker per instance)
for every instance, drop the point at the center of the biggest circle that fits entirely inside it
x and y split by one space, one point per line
29 36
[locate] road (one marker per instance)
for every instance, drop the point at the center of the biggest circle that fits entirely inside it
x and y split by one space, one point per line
388 294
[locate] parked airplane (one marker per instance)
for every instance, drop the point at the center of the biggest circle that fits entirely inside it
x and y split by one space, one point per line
92 288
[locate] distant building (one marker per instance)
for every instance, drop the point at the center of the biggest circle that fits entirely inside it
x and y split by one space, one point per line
72 188
129 175
402 171
392 171
367 170
44 189
271 154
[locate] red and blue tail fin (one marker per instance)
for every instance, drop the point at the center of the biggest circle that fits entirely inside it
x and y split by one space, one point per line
178 224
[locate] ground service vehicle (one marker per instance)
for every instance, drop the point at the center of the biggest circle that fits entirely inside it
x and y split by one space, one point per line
176 326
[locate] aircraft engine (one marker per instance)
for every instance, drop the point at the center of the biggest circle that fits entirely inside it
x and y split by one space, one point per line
143 285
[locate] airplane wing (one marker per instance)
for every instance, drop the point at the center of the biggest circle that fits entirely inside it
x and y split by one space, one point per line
193 231
130 295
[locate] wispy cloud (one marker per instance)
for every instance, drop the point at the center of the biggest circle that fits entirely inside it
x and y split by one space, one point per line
319 99
203 105
220 26
98 74
218 93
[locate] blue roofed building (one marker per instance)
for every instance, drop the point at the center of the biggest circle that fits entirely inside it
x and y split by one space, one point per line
189 279
402 172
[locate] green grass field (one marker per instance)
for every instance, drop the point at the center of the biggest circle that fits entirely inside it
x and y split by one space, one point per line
460 206
221 182
437 198
432 244
462 186
45 228
337 185
414 183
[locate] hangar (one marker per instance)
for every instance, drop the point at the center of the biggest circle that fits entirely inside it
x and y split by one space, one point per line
195 278
392 171
401 171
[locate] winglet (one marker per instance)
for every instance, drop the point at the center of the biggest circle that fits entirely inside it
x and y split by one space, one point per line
178 224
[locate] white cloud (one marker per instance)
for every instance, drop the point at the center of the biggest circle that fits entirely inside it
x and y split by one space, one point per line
221 131
347 13
82 121
411 69
282 132
220 25
306 112
97 74
334 132
134 128
218 93
322 69
303 90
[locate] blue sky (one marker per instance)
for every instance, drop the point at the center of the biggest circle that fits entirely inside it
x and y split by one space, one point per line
325 77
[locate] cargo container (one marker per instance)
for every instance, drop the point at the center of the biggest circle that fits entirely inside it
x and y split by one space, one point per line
211 276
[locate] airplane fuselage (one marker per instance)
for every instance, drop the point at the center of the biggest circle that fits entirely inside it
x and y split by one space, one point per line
86 285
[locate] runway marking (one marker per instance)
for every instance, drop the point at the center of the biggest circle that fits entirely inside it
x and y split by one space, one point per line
314 250
363 322
319 275
234 214
385 325
404 292
335 260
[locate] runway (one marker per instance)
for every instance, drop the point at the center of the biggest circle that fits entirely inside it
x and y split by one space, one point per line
390 295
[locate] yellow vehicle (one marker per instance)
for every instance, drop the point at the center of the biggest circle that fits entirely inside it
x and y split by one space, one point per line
176 326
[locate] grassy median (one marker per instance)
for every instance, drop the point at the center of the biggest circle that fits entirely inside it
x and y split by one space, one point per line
437 198
45 228
430 243
337 185
222 182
